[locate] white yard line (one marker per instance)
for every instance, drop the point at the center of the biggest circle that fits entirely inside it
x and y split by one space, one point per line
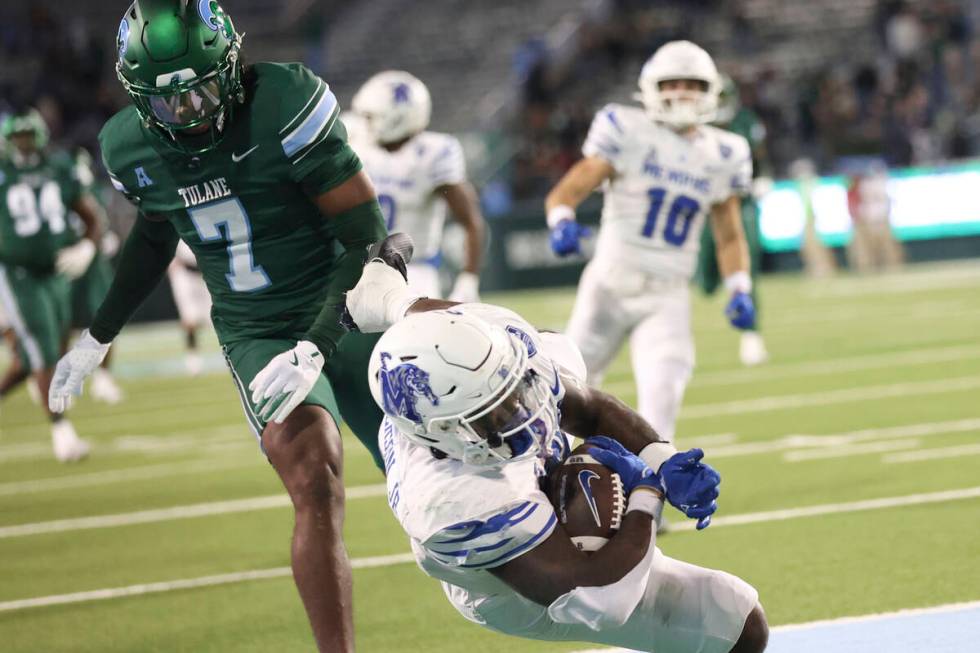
384 561
932 454
844 395
850 450
172 513
825 440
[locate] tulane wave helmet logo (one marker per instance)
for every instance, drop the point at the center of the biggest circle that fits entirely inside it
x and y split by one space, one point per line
122 37
402 387
208 10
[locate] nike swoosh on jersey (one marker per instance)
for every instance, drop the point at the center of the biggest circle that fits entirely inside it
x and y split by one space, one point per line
238 157
585 478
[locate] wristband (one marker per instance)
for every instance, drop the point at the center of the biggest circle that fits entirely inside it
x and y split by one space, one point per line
738 282
655 453
558 213
648 500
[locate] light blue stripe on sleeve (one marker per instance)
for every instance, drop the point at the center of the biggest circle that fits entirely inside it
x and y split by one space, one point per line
310 128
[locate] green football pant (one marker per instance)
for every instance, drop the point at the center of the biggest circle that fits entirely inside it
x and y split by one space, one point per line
37 307
342 390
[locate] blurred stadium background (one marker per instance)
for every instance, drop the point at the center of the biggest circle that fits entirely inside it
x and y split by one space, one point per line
871 394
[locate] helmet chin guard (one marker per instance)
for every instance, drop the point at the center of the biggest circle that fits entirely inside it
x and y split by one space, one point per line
464 387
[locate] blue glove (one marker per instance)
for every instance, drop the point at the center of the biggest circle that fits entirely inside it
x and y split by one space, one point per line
691 486
633 472
741 311
565 237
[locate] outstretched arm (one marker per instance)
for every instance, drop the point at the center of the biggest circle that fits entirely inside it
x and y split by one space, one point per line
142 263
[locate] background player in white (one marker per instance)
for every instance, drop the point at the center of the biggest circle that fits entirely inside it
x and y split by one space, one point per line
417 175
471 396
193 302
663 170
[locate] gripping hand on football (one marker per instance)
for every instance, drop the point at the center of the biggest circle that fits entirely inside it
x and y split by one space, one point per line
740 311
633 472
283 384
565 237
72 370
691 485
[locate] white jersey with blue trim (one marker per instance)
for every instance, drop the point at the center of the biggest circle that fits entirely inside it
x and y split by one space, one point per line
464 520
664 186
406 181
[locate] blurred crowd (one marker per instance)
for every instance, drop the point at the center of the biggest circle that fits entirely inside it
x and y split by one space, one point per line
913 97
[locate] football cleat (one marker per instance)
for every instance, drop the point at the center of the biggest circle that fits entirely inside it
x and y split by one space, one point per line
68 447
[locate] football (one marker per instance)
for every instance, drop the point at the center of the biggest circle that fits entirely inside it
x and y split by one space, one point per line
588 498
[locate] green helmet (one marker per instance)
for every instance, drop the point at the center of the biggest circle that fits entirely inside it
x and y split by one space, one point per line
28 121
179 62
728 100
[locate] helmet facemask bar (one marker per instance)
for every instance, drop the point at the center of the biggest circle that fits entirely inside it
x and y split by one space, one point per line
511 425
179 108
675 107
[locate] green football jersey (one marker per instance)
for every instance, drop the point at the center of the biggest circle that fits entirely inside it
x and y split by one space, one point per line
245 207
33 211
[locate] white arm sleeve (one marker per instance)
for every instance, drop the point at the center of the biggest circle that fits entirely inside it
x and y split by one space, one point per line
607 137
608 606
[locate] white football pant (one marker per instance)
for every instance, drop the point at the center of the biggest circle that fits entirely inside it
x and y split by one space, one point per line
190 295
613 303
424 280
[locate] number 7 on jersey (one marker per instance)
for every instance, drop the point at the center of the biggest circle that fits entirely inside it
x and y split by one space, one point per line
227 221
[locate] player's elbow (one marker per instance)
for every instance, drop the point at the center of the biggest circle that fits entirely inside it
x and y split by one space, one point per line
755 633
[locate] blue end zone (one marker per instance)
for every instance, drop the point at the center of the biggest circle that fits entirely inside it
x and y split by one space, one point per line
955 631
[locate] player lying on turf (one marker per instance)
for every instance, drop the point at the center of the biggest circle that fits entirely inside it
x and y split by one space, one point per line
478 407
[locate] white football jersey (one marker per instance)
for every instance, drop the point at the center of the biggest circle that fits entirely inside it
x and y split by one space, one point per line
665 184
464 520
406 180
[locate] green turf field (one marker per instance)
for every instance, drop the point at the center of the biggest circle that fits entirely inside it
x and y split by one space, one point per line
851 467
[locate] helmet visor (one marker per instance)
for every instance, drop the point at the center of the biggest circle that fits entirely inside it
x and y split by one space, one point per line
188 107
520 420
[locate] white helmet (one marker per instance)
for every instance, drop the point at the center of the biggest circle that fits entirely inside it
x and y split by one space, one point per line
679 60
463 387
395 105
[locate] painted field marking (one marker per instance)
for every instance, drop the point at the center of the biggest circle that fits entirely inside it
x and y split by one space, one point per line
850 450
843 621
824 398
802 441
172 442
172 513
384 561
932 454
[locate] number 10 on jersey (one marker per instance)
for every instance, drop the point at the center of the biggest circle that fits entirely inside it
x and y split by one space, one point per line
679 216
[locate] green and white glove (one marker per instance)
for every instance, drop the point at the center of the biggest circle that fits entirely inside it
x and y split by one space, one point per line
284 383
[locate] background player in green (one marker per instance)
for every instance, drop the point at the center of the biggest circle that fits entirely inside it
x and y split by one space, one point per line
89 290
37 262
249 165
743 121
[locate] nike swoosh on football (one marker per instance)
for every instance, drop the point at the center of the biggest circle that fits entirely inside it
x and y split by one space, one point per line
585 478
238 157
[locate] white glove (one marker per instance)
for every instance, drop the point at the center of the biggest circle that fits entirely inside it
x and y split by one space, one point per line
380 298
73 261
284 383
71 371
466 290
110 244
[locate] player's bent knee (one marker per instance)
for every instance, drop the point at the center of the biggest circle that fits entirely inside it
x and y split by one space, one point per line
306 452
755 633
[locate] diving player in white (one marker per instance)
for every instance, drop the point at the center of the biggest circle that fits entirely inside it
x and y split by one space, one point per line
663 171
471 394
417 174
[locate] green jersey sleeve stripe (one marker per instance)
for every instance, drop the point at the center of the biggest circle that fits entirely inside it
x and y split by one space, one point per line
316 93
322 137
310 128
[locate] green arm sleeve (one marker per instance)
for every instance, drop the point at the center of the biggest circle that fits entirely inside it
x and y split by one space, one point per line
355 229
142 263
